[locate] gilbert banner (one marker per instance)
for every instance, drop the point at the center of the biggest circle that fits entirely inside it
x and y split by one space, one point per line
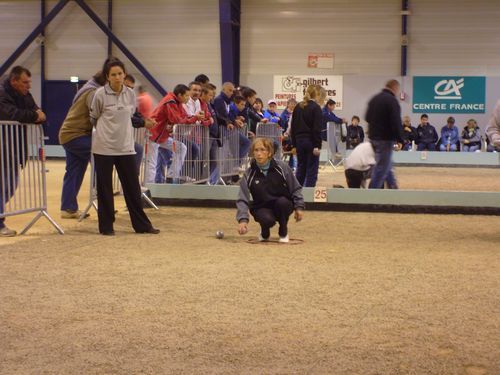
294 86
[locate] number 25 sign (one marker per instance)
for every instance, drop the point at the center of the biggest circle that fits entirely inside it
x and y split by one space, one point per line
320 194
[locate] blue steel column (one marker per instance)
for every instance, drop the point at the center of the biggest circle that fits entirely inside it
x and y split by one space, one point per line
110 26
404 38
229 18
42 56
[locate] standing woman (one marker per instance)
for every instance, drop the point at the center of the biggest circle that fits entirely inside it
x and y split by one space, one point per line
274 190
113 145
306 124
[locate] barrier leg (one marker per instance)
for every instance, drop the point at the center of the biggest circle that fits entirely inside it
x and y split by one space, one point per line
38 216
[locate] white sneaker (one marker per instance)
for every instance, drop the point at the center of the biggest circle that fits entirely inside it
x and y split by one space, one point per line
262 239
6 232
284 239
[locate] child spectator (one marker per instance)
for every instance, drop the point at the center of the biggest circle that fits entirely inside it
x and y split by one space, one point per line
355 134
409 134
258 106
270 113
287 113
449 136
426 135
249 113
236 110
471 137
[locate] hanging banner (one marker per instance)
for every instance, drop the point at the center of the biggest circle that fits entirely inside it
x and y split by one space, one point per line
320 60
457 94
294 86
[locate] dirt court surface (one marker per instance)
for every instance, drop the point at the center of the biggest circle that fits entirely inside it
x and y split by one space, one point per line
363 294
428 178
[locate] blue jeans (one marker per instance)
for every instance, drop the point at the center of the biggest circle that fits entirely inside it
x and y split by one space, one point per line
307 163
77 159
382 171
164 161
429 146
9 184
453 147
471 148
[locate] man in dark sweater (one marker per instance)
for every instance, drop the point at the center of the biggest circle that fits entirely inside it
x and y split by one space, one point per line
16 104
384 128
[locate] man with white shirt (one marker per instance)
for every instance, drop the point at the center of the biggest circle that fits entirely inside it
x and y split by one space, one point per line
358 165
192 108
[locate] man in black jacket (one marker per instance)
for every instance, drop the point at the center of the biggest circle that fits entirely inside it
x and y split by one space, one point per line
384 128
16 104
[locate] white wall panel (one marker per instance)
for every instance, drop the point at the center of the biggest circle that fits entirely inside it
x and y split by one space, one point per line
14 29
74 44
454 37
175 40
277 35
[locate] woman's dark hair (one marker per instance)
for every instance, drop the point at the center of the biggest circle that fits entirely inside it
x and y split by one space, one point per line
180 89
202 78
247 92
259 100
110 63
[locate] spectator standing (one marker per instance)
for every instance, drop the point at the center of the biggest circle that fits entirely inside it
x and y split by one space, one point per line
258 106
75 136
270 114
287 114
222 104
249 113
329 116
449 136
113 146
168 113
16 104
384 127
426 135
307 119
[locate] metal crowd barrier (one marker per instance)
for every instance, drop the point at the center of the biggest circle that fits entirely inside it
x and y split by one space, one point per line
141 138
228 159
195 165
336 138
272 131
23 186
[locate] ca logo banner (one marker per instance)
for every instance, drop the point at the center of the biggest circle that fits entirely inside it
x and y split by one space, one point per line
449 94
449 89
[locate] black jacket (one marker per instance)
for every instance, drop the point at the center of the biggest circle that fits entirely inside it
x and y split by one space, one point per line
384 117
307 123
279 182
427 134
16 107
355 136
409 136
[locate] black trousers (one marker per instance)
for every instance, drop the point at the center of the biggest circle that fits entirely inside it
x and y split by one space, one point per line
354 178
276 211
127 172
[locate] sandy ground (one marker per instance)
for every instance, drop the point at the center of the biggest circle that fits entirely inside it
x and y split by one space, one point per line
363 293
428 178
